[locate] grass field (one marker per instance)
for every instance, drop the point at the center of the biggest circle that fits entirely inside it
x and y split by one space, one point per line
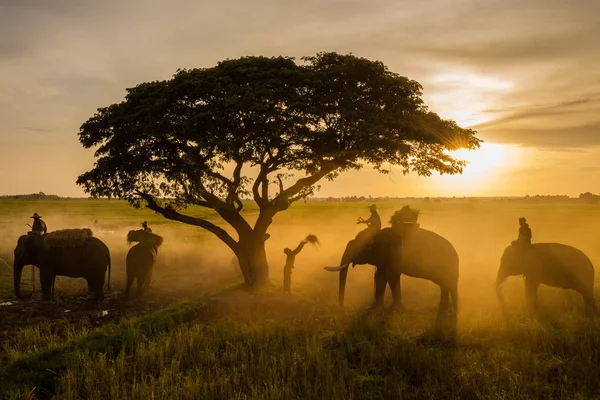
201 335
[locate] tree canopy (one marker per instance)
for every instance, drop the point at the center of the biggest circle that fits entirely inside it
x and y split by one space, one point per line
191 139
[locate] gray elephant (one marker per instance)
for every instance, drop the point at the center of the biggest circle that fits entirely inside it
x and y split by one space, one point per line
413 252
72 252
551 264
141 259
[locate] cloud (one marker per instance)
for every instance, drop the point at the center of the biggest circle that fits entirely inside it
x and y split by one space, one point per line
564 138
62 59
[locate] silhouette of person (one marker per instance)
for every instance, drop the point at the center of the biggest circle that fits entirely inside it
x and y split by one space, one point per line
145 227
289 264
39 226
524 232
374 220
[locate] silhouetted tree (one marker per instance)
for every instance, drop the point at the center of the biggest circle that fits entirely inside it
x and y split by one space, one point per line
590 198
191 140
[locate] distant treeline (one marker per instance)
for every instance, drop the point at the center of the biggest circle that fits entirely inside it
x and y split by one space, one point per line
584 197
32 196
587 197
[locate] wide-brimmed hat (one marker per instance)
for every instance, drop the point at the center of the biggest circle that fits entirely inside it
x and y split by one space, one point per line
35 215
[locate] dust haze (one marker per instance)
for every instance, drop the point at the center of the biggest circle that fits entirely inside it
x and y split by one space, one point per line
192 261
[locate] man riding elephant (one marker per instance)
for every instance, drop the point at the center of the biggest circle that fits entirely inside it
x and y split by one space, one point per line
373 225
39 226
145 227
374 220
524 232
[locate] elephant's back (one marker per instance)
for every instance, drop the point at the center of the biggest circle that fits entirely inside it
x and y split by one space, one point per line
140 254
432 254
563 254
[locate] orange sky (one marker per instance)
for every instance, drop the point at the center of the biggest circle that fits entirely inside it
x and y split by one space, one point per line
525 74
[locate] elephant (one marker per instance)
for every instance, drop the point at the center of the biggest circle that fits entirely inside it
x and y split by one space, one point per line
414 252
551 264
88 259
141 259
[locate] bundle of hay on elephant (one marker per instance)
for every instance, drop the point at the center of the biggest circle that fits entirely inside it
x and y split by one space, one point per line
551 264
75 253
406 249
141 259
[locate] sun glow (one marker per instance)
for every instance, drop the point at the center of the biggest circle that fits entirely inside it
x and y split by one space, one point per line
484 165
488 157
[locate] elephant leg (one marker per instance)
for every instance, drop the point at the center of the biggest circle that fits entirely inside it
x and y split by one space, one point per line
99 290
142 282
130 278
591 308
531 294
381 281
148 280
454 295
444 300
46 282
396 289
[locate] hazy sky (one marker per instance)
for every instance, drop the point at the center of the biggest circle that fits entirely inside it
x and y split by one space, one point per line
524 73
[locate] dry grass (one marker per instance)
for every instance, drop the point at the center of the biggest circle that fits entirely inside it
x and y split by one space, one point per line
194 337
141 236
67 238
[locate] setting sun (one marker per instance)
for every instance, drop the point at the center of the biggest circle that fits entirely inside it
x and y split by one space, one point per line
483 166
488 157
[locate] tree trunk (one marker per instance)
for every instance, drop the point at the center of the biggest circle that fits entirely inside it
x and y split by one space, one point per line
253 260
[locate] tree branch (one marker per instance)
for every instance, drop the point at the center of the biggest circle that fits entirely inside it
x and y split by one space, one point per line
260 201
232 195
171 214
280 183
283 199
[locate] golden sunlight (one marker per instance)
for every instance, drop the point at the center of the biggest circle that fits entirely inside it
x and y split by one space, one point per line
483 165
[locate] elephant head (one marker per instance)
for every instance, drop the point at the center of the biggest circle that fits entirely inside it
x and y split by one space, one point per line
513 262
25 254
374 248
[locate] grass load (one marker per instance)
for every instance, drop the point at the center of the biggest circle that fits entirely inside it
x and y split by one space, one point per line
68 238
143 237
312 239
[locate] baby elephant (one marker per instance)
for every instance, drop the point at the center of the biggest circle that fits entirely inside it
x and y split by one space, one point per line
140 259
551 264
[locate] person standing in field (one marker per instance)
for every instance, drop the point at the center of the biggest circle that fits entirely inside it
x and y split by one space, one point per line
374 221
289 264
145 227
39 226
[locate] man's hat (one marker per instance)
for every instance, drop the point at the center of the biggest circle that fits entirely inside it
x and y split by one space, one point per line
522 219
373 207
144 223
35 215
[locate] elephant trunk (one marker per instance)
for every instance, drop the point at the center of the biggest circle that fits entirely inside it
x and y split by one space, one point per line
343 276
347 258
18 272
500 279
